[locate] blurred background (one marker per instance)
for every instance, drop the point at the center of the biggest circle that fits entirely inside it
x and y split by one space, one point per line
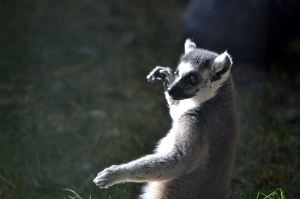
74 98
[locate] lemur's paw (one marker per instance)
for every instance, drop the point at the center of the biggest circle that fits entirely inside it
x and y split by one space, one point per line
107 177
159 73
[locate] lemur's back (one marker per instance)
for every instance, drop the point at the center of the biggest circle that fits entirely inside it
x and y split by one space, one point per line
216 125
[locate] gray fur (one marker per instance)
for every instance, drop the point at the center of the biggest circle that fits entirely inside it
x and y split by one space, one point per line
196 157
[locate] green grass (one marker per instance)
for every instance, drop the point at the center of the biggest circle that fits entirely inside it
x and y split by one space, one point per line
75 195
74 99
278 194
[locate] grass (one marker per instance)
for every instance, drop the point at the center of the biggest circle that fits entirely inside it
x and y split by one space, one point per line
76 196
74 99
278 194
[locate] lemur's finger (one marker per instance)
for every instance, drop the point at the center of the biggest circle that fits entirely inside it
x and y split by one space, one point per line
154 74
101 181
150 78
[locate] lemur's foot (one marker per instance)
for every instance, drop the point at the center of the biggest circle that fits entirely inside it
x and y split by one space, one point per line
160 73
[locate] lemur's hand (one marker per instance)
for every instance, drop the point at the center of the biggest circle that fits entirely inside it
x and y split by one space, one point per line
107 177
160 73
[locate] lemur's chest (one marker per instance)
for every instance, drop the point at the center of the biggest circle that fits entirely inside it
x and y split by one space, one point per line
167 144
176 111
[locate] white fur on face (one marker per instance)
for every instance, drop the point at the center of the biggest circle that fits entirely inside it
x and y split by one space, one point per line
183 68
176 110
184 105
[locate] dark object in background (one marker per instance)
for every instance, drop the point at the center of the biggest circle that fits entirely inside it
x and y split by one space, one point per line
255 32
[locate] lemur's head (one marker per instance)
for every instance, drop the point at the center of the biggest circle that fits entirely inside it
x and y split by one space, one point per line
199 72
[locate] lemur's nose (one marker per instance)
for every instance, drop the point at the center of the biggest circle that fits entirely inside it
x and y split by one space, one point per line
172 91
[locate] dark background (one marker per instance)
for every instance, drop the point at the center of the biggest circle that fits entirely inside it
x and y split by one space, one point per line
74 99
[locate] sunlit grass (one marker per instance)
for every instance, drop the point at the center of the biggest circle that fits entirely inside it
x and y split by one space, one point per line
277 194
75 195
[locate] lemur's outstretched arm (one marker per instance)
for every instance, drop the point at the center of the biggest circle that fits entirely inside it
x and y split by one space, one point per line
162 73
154 167
183 158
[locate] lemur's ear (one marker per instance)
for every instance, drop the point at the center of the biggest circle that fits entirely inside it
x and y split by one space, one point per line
189 46
222 62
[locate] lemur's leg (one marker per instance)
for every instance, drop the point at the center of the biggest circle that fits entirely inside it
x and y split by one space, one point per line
162 73
153 167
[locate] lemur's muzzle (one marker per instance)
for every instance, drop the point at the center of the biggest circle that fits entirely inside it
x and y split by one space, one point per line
176 92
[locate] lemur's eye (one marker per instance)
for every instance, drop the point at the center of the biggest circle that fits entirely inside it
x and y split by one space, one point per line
193 79
176 75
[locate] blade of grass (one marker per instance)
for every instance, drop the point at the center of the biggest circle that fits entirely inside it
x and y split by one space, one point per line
76 195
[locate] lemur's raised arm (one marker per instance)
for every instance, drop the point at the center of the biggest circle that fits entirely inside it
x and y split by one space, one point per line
162 73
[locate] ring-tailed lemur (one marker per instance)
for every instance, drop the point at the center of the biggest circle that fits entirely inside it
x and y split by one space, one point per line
196 157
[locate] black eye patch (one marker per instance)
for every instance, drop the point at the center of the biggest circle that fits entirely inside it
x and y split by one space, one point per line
191 78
